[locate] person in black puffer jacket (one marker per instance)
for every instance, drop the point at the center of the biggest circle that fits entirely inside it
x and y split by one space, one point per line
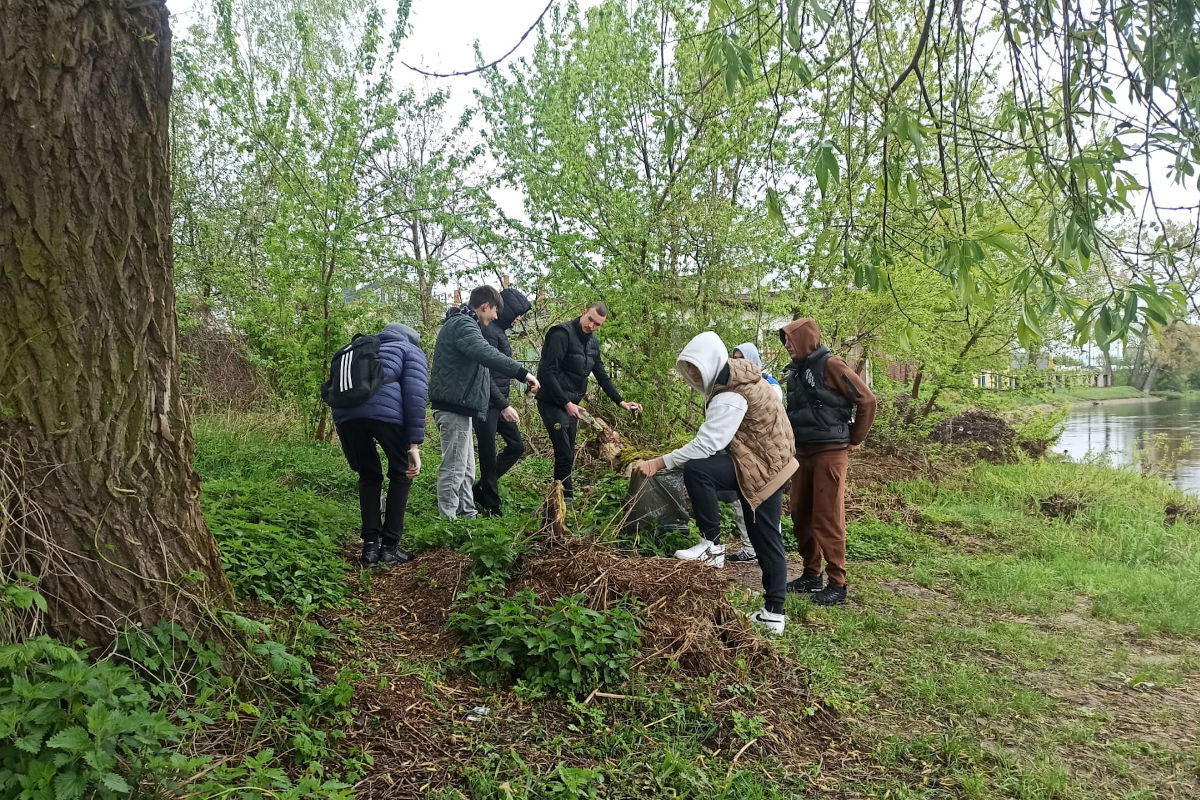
570 356
395 418
502 418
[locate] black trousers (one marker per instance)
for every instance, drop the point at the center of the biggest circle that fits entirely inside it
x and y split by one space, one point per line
703 478
359 437
562 428
492 467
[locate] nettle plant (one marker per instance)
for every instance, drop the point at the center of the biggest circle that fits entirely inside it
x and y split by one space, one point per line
70 728
564 646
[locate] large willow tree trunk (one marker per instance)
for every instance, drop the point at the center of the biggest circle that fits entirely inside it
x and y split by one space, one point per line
97 495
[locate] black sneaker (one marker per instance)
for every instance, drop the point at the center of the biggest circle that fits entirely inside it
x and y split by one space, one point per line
807 583
743 556
370 553
393 554
484 511
831 595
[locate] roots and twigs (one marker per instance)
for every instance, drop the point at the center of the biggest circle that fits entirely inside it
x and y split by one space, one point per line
687 617
1187 511
1060 506
27 549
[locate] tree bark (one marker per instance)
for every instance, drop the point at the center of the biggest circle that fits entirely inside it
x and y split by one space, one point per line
95 442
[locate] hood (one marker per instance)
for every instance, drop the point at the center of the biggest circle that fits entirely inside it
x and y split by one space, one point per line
399 332
707 353
750 353
458 311
803 335
515 304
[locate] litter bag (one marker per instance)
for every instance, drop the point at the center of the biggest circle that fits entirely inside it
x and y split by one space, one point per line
659 500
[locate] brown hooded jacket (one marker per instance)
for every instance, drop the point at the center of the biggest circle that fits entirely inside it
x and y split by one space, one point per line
801 337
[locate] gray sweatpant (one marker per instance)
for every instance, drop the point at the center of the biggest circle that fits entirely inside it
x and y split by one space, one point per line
456 475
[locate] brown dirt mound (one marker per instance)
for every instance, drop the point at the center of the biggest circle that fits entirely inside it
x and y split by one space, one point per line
991 436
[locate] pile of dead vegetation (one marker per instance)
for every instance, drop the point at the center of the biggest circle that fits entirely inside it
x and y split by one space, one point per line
984 434
687 618
989 437
217 373
694 645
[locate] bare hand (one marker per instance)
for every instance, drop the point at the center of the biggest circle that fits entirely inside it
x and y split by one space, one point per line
414 463
649 466
509 414
533 383
575 411
634 407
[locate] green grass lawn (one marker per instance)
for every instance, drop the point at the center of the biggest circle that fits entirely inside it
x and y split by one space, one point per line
1023 631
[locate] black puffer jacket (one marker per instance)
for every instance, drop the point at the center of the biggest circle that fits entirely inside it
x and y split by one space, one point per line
569 358
515 304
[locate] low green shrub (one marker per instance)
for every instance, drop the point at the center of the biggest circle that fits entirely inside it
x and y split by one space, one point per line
564 647
70 728
280 546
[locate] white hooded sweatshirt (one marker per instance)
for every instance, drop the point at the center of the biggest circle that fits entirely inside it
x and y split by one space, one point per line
723 414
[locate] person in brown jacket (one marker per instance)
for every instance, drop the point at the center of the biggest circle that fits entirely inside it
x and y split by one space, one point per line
745 445
831 411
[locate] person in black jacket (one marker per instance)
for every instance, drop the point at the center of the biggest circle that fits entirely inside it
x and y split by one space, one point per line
502 417
572 354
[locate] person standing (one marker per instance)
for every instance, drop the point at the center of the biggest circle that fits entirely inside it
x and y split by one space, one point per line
830 410
745 445
571 354
393 418
502 418
746 554
459 393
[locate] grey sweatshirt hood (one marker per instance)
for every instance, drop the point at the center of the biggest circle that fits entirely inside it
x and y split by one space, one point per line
708 354
750 353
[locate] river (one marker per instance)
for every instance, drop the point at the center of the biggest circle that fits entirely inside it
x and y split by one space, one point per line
1115 428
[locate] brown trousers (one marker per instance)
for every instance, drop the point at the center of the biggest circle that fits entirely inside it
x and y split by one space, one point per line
818 506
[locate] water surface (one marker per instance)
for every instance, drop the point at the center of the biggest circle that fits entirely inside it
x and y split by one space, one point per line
1114 428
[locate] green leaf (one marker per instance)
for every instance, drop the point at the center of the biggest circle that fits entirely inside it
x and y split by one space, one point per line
68 785
828 168
774 208
671 134
75 739
115 783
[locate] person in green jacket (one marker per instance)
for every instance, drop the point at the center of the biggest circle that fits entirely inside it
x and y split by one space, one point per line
459 392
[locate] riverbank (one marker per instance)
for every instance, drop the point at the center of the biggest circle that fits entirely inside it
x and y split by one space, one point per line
1075 396
1028 631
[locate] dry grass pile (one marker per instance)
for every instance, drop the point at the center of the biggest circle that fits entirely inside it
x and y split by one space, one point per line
687 617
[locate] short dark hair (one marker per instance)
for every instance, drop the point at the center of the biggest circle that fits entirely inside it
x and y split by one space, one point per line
485 294
599 307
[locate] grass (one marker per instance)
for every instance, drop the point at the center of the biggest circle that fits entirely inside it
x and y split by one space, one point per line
989 650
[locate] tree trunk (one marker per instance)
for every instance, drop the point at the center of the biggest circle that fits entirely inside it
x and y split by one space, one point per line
1151 377
101 502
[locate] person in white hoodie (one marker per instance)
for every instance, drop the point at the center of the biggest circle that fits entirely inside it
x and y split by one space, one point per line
745 554
745 444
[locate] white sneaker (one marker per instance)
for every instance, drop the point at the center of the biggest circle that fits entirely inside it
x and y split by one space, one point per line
705 552
772 623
